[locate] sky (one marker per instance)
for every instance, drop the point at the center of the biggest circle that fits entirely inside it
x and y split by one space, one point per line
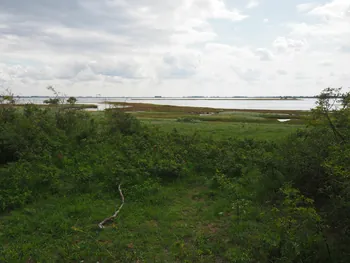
174 48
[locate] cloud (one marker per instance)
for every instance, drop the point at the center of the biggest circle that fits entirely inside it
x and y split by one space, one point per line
301 76
283 44
248 75
181 65
147 47
336 9
326 63
282 72
305 7
252 4
264 54
345 49
333 19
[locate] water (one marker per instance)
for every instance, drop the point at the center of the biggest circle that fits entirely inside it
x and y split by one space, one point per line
300 104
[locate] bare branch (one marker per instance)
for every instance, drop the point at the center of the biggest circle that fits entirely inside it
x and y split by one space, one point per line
101 225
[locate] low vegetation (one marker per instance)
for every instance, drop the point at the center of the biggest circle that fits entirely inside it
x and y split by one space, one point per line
189 197
146 107
62 106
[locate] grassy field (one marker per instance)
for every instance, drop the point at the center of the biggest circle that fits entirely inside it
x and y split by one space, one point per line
182 222
208 122
225 130
187 198
218 123
147 107
241 191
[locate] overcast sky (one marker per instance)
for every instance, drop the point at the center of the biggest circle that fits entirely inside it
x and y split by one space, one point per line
174 48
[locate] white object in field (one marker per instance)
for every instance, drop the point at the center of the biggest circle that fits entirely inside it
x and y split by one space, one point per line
283 120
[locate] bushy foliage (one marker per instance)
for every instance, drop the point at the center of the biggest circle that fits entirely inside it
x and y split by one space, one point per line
289 201
52 101
72 100
316 161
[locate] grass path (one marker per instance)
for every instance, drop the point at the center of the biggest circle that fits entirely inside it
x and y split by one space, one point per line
177 224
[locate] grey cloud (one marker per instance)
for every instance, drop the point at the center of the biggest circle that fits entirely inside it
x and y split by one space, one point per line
169 59
30 18
124 69
249 75
103 67
77 71
39 9
301 76
282 72
81 44
345 77
72 13
23 72
180 65
86 75
326 63
179 73
126 38
345 49
283 44
264 54
69 71
143 21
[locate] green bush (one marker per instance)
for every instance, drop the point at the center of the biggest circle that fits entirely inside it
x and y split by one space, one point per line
288 202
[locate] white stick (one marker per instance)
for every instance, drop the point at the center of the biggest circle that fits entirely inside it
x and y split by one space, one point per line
116 212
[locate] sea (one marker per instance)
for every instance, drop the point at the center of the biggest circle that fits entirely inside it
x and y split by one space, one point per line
223 103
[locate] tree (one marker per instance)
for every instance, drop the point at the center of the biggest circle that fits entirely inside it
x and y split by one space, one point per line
333 109
51 101
7 97
58 99
72 100
316 161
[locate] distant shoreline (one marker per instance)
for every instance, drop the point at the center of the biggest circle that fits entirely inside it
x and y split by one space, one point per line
216 99
149 107
178 98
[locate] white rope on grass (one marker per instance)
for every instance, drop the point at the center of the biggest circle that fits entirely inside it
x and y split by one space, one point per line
101 225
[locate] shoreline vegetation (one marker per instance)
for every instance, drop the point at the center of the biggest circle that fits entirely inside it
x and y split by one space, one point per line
133 107
189 114
179 98
63 106
223 98
194 184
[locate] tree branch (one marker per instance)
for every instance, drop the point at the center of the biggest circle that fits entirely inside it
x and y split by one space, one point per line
101 225
334 129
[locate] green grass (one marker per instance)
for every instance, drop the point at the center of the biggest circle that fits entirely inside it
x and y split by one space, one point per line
182 222
223 130
254 124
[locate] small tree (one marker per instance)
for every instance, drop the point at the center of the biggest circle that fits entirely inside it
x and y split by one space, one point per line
333 108
8 100
72 100
58 99
7 97
52 101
